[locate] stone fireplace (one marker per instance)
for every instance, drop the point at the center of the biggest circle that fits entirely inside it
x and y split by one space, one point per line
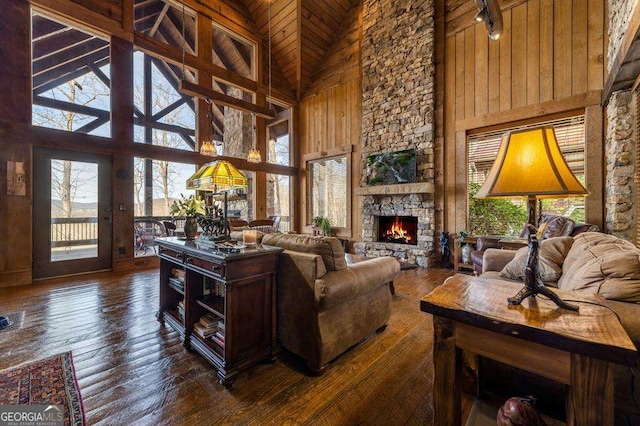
398 114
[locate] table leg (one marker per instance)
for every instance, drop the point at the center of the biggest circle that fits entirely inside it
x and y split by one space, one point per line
447 369
590 395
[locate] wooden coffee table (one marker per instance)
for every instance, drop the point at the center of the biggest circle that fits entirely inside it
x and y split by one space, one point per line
573 348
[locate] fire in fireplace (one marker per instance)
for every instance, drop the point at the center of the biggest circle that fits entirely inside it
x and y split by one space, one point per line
398 229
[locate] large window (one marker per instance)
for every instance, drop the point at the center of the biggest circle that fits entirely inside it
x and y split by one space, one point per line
507 216
162 115
328 182
157 184
70 77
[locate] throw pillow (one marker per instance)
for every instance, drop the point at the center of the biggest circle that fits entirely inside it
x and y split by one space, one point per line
603 264
551 255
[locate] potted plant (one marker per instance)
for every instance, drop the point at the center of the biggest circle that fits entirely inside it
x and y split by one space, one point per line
322 223
189 208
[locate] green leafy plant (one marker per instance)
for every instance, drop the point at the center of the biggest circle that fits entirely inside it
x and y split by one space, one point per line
323 223
188 207
462 235
494 216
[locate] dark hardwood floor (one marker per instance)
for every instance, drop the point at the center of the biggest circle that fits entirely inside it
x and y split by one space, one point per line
132 370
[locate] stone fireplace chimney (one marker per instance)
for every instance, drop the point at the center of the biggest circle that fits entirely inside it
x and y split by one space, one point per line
398 114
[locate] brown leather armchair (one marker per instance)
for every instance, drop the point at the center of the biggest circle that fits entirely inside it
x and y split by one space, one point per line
556 226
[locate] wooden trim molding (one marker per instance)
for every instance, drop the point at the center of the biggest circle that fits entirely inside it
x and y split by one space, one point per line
545 108
334 152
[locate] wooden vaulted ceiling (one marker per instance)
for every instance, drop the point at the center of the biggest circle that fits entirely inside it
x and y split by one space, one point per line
302 31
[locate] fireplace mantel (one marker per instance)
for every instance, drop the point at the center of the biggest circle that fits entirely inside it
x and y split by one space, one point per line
397 189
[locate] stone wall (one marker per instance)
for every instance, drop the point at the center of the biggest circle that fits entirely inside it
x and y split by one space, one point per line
620 12
398 112
620 162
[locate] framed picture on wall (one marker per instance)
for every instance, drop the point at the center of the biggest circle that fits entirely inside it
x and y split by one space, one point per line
16 179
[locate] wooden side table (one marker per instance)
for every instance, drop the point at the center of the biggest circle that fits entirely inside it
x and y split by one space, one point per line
573 348
458 264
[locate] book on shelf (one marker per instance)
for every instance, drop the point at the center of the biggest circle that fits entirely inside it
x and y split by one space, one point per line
209 320
181 308
177 282
204 332
216 339
221 325
178 273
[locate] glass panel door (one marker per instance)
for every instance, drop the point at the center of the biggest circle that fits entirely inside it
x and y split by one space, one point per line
72 213
74 210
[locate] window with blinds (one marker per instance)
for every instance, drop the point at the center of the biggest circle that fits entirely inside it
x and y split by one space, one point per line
507 217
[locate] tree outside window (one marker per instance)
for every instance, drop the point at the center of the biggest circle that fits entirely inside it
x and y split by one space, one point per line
328 190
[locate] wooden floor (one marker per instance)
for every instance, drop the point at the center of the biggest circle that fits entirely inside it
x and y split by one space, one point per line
132 370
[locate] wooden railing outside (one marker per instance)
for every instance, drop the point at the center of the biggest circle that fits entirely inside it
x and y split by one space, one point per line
74 231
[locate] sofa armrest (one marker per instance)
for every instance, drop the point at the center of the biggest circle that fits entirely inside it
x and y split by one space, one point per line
337 287
496 259
483 243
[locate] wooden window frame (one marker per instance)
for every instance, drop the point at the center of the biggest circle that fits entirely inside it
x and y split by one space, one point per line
346 152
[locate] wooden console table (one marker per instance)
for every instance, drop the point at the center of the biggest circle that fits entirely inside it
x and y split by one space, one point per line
233 292
573 348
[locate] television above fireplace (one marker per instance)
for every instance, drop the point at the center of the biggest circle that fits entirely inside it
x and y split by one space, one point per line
391 167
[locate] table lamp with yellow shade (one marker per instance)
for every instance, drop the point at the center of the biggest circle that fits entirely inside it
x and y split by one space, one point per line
530 164
218 177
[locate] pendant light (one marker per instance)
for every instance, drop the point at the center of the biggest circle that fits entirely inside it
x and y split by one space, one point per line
254 154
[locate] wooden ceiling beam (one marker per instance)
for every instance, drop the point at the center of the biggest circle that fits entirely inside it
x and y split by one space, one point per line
203 93
157 48
54 73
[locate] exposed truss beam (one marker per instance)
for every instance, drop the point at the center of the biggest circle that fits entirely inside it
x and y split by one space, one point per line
204 93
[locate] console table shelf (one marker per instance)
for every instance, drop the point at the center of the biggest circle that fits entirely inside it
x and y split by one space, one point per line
226 308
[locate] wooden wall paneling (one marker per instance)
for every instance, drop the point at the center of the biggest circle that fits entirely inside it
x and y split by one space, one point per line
562 56
533 52
122 134
494 77
546 50
15 66
439 120
519 56
595 165
595 44
15 86
461 181
505 63
481 74
449 163
460 74
342 61
469 72
579 41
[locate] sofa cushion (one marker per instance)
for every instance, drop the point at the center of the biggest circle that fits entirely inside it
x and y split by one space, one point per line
551 256
329 248
359 278
604 264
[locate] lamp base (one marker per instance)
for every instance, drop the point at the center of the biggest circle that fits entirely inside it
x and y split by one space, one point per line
533 285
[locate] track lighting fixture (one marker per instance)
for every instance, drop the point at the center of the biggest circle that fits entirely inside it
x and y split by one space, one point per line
489 13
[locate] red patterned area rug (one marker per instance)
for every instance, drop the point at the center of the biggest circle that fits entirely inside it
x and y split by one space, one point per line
47 381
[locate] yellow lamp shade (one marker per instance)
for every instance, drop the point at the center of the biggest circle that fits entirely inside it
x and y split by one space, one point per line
530 164
217 176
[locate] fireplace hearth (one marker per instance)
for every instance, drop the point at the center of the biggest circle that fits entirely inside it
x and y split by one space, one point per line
398 229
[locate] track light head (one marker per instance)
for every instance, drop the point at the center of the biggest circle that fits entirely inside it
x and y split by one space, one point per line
481 15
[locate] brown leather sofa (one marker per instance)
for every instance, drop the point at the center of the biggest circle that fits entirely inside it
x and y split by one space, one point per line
556 226
324 305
